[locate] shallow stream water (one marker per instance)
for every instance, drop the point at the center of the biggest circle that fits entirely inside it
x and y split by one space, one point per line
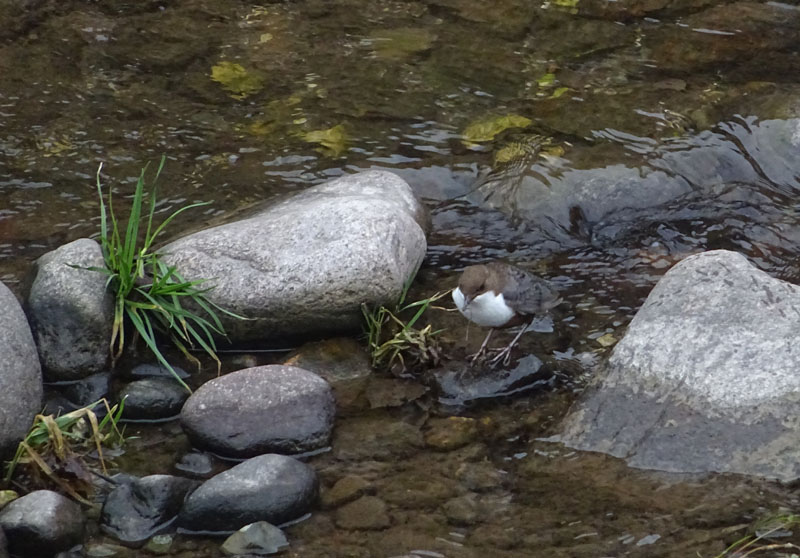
644 132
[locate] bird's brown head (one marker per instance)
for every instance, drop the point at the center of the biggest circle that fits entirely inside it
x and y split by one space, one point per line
473 281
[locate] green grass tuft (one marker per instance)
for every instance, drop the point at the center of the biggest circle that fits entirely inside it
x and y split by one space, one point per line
150 295
395 342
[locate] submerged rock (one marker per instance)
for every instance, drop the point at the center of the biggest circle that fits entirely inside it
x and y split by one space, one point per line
41 523
20 375
270 487
366 513
71 311
153 399
705 378
260 539
3 545
133 512
257 410
343 363
304 266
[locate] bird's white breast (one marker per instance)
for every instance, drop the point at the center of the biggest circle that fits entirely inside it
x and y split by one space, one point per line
487 309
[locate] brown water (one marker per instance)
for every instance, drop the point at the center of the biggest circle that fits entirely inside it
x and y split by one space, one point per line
703 92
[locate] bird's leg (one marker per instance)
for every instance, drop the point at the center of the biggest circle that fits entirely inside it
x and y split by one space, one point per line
505 354
473 358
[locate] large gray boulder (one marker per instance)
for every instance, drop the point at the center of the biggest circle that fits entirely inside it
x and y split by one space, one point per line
71 311
20 374
706 378
264 409
304 266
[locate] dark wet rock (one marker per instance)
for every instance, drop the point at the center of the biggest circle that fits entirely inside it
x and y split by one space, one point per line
133 512
257 410
157 371
41 523
153 399
450 433
393 392
462 510
376 438
304 266
3 545
727 33
260 539
21 378
460 383
196 465
343 363
88 390
367 513
71 311
705 378
270 487
345 490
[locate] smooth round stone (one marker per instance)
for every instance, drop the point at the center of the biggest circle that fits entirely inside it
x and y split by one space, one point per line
42 523
276 408
260 539
71 311
21 380
153 399
270 487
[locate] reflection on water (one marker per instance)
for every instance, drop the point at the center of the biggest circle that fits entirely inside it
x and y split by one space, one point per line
658 129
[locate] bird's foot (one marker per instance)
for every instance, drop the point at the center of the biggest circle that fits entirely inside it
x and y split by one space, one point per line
475 357
504 356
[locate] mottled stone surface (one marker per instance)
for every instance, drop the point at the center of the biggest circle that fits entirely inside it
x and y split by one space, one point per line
71 311
41 523
20 374
270 487
263 409
705 378
305 265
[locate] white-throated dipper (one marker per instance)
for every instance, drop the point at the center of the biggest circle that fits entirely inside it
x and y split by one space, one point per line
500 295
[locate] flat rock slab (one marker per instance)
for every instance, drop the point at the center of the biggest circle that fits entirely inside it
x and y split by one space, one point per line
271 487
258 410
135 511
705 380
71 311
20 374
304 266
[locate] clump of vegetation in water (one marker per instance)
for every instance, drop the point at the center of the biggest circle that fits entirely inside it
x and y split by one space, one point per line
150 295
394 341
765 530
55 448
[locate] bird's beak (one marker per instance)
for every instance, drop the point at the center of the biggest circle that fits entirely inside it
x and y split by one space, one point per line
468 299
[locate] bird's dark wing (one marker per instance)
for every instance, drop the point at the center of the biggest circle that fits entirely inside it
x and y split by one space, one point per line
531 294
